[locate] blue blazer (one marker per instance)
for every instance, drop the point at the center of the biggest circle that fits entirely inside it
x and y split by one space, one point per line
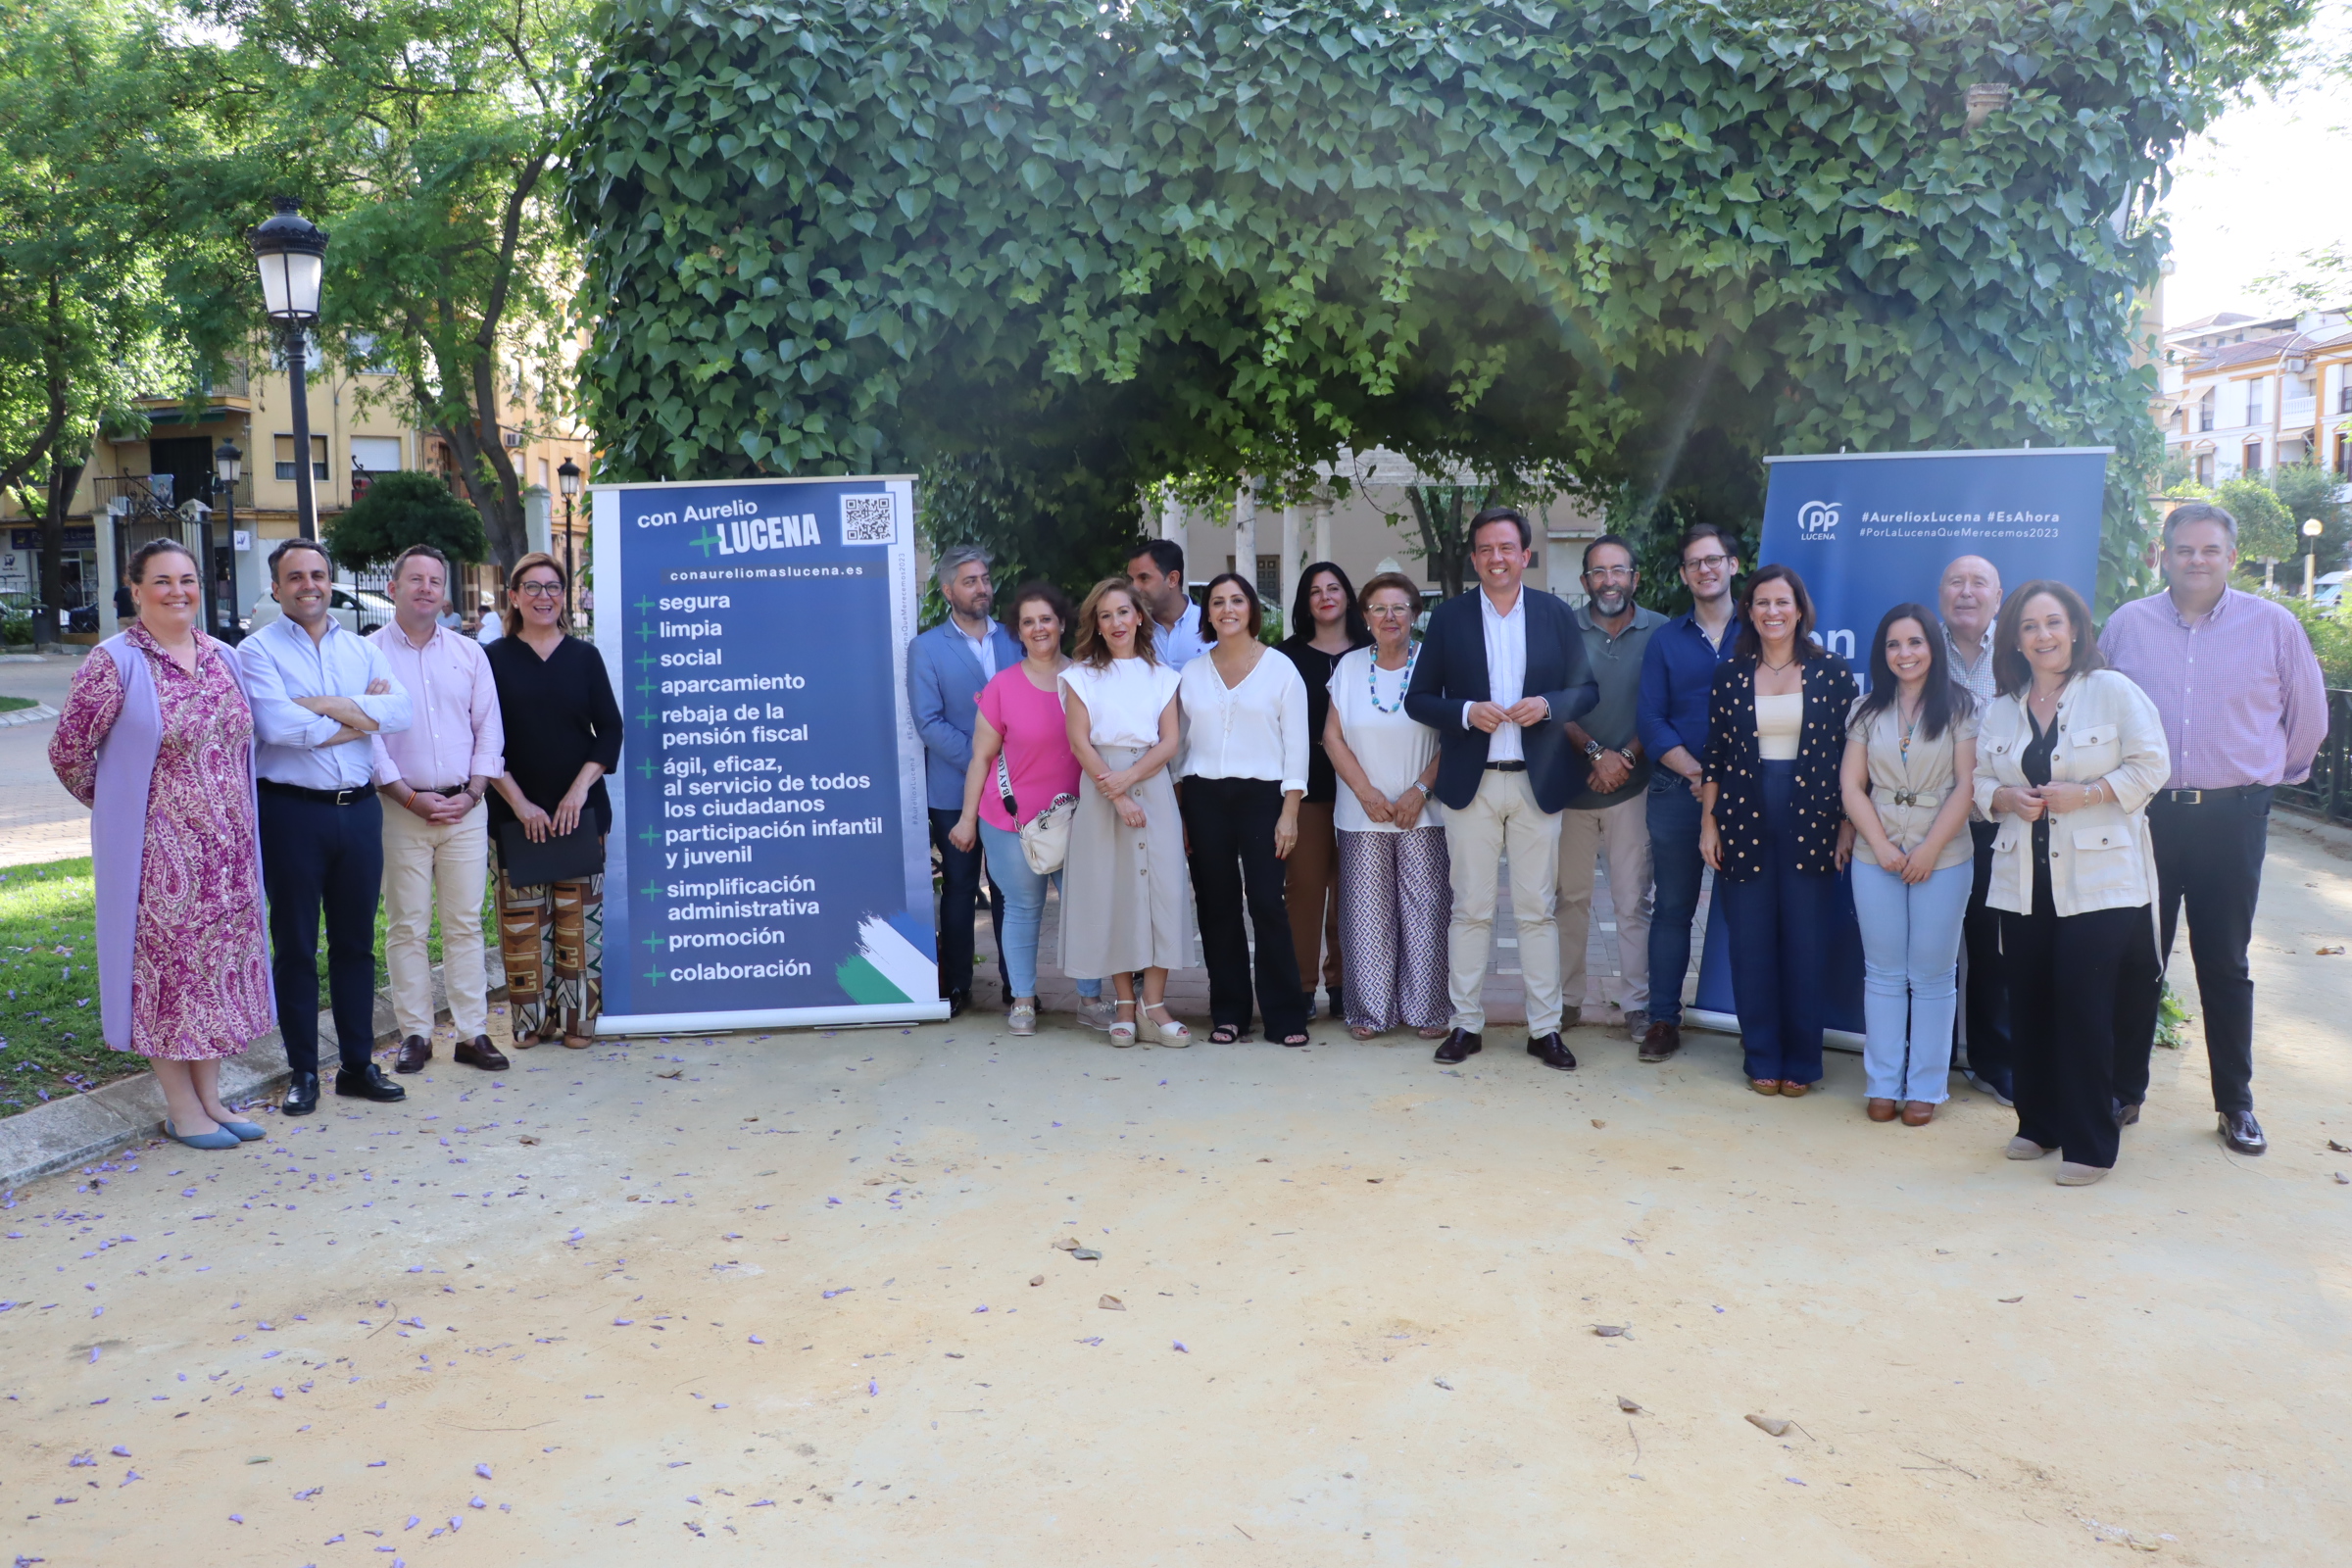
943 689
1452 670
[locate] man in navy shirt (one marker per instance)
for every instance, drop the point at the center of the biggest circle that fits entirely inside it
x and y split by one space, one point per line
1678 672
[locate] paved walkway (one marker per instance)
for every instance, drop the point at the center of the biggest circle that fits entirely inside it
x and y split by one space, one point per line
38 820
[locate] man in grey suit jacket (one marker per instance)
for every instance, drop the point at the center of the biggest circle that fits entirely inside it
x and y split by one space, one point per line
946 668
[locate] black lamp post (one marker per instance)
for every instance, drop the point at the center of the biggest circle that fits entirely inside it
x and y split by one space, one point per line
229 467
568 480
291 252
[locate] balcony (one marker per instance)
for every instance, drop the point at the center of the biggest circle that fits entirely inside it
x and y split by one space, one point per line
151 495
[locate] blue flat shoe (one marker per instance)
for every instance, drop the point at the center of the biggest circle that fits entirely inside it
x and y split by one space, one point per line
217 1138
246 1131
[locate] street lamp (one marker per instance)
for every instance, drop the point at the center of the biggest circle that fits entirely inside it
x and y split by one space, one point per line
229 467
568 480
2312 529
291 252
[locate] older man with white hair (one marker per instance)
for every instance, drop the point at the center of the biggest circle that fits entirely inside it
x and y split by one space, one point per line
1969 598
946 668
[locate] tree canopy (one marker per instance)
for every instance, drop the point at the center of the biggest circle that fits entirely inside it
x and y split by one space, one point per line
1099 248
400 510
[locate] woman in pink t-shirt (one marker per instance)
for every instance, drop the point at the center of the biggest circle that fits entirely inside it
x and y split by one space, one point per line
1021 724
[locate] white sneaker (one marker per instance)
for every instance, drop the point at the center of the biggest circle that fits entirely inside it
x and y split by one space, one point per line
1021 1018
1096 1012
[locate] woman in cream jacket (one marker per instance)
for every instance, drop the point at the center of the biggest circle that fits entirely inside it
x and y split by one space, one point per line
2067 757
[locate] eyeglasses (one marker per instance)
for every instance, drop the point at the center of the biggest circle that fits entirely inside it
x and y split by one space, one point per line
540 590
1707 562
1390 611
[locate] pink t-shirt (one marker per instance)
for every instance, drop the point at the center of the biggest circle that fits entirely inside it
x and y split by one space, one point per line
1036 746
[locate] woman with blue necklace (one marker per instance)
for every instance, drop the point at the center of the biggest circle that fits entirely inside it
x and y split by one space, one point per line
1395 892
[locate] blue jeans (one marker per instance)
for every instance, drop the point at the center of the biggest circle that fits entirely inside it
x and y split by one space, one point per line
1778 920
1910 961
1023 892
1676 869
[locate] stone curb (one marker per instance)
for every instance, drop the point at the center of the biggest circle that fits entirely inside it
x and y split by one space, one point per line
69 1132
39 712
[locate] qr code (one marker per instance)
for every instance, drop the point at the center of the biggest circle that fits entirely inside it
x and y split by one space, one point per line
868 520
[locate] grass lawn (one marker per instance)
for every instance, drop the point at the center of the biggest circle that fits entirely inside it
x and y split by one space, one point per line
49 1032
10 704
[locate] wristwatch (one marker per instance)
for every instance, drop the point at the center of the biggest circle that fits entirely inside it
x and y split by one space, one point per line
1592 751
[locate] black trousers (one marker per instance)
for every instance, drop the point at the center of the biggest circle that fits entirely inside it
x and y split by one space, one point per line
2209 857
2082 998
1987 1017
959 875
319 857
1230 824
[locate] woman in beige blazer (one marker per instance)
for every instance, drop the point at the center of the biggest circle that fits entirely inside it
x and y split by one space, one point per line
2067 757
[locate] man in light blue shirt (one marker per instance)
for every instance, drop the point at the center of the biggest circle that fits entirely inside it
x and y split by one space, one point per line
317 693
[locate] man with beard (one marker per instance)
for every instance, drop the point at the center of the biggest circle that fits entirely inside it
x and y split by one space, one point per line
1609 816
946 668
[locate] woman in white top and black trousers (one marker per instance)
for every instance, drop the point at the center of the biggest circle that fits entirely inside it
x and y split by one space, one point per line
1245 772
1126 907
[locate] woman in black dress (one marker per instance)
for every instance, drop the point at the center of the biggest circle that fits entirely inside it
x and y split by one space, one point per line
563 737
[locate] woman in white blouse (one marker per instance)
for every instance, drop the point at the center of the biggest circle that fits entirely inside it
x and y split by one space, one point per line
1245 772
1396 882
1125 905
2067 759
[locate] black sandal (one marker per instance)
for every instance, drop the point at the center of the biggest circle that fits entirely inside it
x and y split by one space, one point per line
1296 1040
1225 1034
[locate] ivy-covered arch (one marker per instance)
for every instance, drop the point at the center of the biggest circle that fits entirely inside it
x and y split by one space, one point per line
1051 251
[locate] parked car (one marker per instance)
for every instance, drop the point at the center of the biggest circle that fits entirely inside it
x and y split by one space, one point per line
357 610
2327 591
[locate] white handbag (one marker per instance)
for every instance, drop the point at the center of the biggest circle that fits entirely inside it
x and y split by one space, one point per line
1045 837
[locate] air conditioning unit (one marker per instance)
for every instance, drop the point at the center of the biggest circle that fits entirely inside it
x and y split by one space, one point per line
512 438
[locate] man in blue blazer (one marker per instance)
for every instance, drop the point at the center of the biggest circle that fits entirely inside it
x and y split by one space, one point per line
946 668
1500 674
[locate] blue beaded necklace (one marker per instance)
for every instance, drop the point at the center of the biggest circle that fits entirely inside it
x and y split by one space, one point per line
1372 680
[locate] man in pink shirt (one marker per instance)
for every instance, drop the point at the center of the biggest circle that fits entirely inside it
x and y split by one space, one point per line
2245 711
432 776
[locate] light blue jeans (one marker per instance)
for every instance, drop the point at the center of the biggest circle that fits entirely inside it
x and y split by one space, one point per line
1910 961
1024 894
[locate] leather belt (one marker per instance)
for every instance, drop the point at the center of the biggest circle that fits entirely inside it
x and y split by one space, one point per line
350 797
2236 792
1506 768
438 789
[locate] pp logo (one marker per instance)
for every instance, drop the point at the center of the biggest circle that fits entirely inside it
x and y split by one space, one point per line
1817 519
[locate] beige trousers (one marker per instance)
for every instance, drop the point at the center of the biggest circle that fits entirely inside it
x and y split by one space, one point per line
1503 817
1620 832
422 860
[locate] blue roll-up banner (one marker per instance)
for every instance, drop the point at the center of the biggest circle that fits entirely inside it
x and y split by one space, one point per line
1869 530
769 863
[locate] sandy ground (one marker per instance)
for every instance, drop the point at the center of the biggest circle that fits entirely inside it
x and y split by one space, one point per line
1359 1294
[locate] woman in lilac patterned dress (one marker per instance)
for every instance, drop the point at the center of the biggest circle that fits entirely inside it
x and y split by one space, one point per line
157 738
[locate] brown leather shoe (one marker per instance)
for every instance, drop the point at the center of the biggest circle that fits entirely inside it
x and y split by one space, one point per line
415 1051
1881 1110
480 1054
1660 1041
1918 1113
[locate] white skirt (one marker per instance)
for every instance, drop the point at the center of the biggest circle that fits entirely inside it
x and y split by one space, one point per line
1126 893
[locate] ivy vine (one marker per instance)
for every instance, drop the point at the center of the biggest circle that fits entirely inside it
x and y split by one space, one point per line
1067 250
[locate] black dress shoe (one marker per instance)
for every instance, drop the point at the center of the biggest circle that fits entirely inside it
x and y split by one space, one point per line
415 1052
957 1001
302 1095
1661 1040
1552 1051
2242 1132
371 1084
1460 1046
2127 1115
481 1053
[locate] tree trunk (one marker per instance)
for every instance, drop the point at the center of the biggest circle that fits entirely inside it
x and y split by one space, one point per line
63 479
1444 512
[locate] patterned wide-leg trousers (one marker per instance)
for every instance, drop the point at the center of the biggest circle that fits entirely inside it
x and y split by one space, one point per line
1395 899
553 939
